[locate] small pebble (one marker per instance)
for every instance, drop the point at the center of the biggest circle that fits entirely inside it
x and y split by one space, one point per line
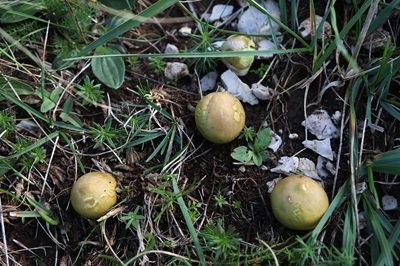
171 49
389 203
175 71
185 31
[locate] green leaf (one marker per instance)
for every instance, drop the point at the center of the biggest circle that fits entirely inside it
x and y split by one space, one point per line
68 116
263 140
242 154
386 162
59 63
50 99
109 70
10 84
124 4
257 159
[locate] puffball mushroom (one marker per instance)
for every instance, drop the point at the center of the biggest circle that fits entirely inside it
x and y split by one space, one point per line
240 64
298 202
220 117
93 194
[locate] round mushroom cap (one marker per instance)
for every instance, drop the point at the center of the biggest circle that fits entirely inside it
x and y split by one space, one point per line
220 117
298 202
93 194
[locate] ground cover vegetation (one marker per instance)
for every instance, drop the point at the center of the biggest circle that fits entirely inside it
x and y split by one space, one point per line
83 88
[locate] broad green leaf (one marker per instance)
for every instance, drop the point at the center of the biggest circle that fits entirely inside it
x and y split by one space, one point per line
68 116
263 140
242 154
109 70
59 63
257 159
11 84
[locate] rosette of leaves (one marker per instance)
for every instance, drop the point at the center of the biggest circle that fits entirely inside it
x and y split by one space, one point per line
255 152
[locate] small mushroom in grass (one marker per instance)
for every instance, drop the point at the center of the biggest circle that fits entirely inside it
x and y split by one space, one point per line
307 30
239 64
220 117
93 194
299 202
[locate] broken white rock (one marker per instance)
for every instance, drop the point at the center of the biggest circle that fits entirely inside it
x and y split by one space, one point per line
220 12
336 117
240 90
171 49
175 71
262 92
325 167
271 184
322 147
389 203
265 45
208 82
320 124
306 30
185 31
253 21
276 142
296 166
217 45
293 136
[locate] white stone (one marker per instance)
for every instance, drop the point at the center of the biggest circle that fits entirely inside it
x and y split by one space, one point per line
239 89
253 21
361 187
176 70
265 45
185 31
320 124
171 49
293 136
305 28
325 167
389 203
296 166
219 12
276 142
322 147
217 45
262 92
336 117
207 83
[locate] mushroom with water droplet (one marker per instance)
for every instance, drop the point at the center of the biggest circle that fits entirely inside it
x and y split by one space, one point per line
298 202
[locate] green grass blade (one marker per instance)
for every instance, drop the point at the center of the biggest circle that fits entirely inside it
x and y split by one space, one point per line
336 202
382 16
283 9
33 146
188 221
344 32
386 162
385 248
149 12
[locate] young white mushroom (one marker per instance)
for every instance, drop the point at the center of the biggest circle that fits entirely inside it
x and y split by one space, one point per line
307 30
